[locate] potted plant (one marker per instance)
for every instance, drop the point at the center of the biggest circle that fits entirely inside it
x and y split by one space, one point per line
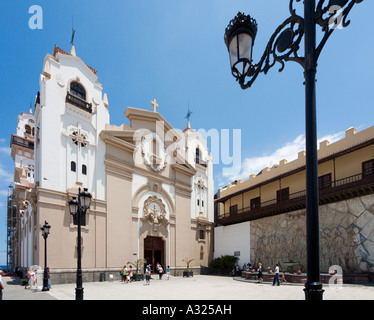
187 272
25 282
137 275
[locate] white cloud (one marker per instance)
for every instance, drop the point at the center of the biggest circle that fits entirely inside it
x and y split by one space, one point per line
253 165
5 150
5 176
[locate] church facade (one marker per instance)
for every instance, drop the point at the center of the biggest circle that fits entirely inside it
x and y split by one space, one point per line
151 184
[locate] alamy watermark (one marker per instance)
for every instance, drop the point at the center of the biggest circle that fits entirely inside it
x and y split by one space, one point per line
36 20
336 279
174 146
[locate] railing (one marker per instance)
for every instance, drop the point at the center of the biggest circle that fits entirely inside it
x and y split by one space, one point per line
297 200
201 162
78 102
22 142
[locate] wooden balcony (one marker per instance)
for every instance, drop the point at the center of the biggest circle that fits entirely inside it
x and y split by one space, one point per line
78 102
338 190
22 142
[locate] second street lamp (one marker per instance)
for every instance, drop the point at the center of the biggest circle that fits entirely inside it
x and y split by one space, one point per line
284 45
45 233
78 210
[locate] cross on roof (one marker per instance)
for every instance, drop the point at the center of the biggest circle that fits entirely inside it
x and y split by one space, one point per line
154 104
188 116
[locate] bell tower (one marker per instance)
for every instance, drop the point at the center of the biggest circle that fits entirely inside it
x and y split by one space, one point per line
70 114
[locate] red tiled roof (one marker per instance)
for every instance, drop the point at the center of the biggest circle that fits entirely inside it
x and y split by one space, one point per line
59 50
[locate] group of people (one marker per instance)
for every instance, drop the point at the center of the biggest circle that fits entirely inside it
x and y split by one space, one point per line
32 279
159 270
127 273
276 279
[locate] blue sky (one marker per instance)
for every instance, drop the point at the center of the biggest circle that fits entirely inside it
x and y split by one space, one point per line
174 51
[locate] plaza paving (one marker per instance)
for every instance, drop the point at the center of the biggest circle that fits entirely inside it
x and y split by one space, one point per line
198 287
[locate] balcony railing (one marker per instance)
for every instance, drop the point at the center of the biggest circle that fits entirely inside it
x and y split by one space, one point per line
201 162
338 190
22 142
78 102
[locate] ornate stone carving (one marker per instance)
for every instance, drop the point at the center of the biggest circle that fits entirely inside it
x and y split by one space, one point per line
79 138
154 211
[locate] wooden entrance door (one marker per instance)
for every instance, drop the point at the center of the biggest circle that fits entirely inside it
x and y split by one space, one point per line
154 251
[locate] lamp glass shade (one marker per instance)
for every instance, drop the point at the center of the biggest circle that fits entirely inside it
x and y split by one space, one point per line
73 206
46 228
240 50
85 199
239 37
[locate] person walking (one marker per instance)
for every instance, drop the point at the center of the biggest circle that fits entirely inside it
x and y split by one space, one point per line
147 275
49 278
168 272
122 273
1 284
276 275
130 275
260 279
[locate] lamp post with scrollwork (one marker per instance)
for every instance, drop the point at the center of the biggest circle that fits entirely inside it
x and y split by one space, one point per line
284 46
45 233
78 210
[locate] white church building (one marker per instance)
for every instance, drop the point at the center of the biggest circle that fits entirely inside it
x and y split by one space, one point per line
151 184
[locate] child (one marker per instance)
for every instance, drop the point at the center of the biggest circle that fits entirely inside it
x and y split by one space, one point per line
283 278
168 272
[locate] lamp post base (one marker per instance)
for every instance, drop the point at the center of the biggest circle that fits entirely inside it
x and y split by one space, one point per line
45 280
78 293
313 291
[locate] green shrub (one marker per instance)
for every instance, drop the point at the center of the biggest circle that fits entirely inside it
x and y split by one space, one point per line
224 262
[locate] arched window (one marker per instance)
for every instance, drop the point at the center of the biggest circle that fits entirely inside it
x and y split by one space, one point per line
77 90
27 129
73 166
84 169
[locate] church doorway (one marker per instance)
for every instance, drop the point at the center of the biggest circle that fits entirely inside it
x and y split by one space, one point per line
154 252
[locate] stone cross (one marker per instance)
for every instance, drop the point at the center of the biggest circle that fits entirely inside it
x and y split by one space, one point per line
154 211
154 104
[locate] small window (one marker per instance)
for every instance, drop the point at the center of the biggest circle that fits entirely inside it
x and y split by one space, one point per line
234 209
84 169
202 235
367 168
202 203
283 194
255 203
77 90
324 181
73 166
198 202
197 158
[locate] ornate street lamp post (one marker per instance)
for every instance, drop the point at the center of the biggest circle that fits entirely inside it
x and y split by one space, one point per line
283 46
45 233
78 210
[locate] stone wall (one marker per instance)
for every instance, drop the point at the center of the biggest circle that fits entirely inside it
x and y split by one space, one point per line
346 237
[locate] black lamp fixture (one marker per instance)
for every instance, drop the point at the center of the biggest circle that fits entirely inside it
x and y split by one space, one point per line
45 232
78 210
239 38
283 46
